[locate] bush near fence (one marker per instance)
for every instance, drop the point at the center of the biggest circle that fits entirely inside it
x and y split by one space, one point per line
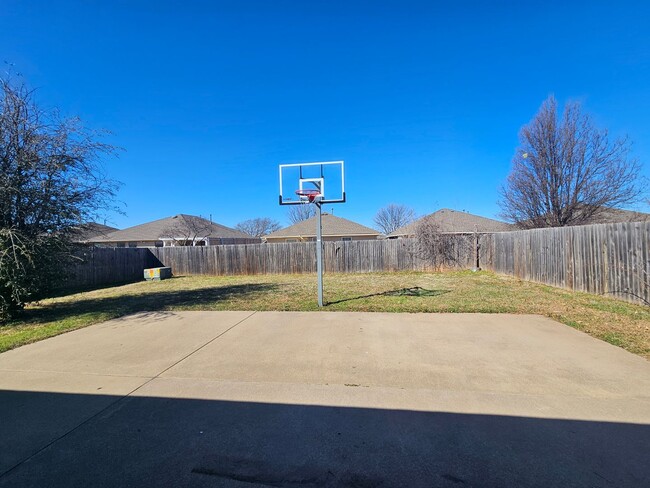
611 259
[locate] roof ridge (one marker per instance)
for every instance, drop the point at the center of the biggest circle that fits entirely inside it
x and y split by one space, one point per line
154 230
333 225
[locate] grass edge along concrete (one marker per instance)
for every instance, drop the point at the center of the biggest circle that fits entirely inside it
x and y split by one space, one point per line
621 324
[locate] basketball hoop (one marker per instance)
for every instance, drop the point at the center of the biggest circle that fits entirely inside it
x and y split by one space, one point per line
310 179
308 195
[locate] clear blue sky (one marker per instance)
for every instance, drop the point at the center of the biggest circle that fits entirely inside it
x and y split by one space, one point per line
423 100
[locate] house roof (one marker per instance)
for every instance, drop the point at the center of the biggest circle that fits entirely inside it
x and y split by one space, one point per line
332 226
452 221
616 215
177 226
90 230
606 215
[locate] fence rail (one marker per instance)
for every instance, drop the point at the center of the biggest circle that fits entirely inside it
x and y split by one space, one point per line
611 259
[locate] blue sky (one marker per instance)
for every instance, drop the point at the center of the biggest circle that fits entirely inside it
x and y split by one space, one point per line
423 100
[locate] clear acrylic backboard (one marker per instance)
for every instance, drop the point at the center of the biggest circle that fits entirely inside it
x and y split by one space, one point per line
326 177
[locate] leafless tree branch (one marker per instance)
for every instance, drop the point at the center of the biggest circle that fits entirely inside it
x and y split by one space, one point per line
188 230
298 213
258 227
391 217
566 171
439 250
51 181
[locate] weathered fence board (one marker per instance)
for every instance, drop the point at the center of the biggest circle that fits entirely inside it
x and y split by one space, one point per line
610 259
95 266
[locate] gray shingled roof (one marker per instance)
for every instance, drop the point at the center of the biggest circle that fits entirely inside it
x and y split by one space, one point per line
332 226
88 231
617 215
607 215
178 225
453 221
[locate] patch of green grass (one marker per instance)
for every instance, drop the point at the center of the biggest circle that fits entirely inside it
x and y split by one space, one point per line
614 339
619 323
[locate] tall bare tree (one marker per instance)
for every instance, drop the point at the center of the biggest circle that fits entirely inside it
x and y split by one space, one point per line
393 216
298 213
258 227
50 183
566 171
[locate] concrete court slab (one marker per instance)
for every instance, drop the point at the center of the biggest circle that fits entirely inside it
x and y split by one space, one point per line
140 345
27 425
258 412
473 352
152 441
98 365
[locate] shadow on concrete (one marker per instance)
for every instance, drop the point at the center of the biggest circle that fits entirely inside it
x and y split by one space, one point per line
151 302
67 440
415 291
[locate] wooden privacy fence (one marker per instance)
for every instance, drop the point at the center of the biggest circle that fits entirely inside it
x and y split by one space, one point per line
102 266
300 257
610 259
95 266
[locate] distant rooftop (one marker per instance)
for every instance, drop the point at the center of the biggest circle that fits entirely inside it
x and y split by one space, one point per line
332 226
606 215
90 230
174 226
455 222
616 215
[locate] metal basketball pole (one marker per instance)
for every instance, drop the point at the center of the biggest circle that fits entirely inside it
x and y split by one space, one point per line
319 254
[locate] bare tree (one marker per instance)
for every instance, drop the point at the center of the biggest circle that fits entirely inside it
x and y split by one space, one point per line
298 213
50 183
438 249
566 171
258 227
393 216
188 230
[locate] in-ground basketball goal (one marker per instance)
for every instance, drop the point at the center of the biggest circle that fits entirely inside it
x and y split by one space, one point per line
306 184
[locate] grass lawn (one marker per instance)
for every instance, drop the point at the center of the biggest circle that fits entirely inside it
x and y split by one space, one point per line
618 323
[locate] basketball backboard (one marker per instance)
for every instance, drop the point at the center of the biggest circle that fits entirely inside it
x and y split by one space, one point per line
325 177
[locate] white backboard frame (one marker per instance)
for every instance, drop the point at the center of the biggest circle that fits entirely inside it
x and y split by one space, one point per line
298 184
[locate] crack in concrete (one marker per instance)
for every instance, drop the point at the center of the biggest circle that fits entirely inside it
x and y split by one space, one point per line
118 400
